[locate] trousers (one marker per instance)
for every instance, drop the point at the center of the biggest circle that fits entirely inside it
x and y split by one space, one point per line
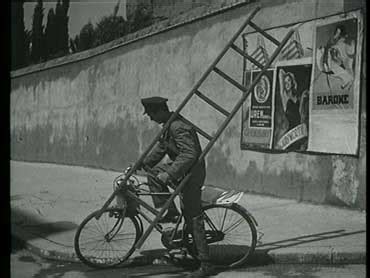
190 194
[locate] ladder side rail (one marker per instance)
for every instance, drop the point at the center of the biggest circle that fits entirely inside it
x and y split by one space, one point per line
212 103
211 143
264 33
211 67
200 131
232 81
162 210
176 112
245 95
245 55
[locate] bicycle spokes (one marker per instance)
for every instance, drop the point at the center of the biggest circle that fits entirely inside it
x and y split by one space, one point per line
230 234
113 232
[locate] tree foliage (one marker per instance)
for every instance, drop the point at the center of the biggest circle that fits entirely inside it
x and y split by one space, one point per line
18 36
55 41
51 34
86 38
56 31
142 17
61 19
37 52
109 28
64 28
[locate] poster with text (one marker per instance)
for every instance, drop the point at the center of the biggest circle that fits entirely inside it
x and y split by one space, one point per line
315 91
257 122
291 119
334 111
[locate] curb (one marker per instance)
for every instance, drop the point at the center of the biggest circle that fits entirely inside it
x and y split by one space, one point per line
19 235
328 258
331 257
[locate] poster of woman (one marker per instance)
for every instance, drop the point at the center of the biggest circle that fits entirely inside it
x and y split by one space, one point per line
292 104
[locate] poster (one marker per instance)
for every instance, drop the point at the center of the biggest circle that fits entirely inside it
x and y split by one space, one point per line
292 105
259 118
314 90
336 85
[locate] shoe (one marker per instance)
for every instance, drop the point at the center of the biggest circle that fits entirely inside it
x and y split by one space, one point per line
205 270
170 217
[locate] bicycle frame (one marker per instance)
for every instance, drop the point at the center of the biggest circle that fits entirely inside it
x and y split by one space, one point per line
135 196
157 226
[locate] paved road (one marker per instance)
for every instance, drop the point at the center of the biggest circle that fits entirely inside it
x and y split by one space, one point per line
26 265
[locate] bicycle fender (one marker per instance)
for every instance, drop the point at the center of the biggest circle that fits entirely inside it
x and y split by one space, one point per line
236 206
246 212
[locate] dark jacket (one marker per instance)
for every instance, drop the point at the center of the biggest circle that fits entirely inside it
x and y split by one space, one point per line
181 143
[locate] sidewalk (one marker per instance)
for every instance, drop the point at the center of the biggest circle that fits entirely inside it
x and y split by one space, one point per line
49 201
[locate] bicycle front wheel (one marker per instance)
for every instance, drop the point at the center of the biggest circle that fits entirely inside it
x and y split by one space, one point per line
231 234
107 241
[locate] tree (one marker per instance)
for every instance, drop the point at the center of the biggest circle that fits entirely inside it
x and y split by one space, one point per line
61 22
64 36
18 36
51 35
37 33
28 44
143 17
58 25
86 38
110 28
107 29
72 45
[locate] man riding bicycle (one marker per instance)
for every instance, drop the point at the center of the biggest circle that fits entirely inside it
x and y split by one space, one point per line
180 143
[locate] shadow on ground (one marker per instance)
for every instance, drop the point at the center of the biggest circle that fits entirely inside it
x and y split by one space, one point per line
35 226
305 239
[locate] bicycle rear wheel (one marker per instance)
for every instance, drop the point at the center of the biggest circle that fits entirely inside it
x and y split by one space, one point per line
108 241
231 234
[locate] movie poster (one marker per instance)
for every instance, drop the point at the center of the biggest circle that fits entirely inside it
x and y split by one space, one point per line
309 99
258 117
336 85
292 105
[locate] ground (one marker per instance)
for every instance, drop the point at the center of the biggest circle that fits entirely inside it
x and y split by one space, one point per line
24 264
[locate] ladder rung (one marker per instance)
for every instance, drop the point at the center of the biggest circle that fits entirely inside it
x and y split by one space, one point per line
232 81
250 58
200 131
258 29
212 103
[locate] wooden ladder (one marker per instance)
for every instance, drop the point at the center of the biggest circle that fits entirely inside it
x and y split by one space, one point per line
228 114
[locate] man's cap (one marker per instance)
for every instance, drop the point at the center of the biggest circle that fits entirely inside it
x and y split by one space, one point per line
152 103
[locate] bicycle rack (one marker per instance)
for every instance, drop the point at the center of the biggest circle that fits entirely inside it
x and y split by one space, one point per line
229 115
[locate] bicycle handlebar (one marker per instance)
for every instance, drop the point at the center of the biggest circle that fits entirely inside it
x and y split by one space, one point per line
153 175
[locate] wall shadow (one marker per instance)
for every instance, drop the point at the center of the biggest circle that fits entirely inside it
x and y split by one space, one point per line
35 227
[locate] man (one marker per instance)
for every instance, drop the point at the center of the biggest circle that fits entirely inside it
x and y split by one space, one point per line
181 143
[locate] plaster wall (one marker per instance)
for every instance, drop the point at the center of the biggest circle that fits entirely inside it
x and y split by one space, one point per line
88 112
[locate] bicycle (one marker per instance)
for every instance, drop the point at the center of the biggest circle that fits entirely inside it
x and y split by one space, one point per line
108 237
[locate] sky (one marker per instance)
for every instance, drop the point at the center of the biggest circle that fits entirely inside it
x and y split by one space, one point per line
79 12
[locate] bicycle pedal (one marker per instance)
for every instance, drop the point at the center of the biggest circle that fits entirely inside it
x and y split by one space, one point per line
178 253
164 260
